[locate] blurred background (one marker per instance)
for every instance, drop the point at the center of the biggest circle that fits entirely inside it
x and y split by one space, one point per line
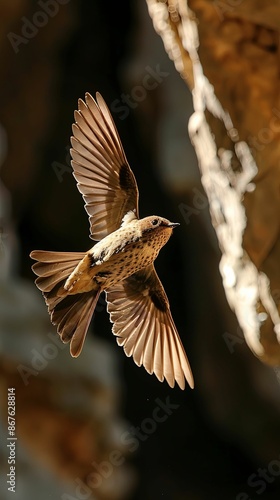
88 428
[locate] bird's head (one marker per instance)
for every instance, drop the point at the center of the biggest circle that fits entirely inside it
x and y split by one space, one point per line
155 222
155 225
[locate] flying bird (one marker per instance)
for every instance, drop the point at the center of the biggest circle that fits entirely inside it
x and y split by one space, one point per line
121 263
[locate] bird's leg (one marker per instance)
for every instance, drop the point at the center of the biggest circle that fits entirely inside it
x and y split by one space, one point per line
80 279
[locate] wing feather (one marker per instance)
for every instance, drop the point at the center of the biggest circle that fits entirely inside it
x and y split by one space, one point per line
143 325
100 167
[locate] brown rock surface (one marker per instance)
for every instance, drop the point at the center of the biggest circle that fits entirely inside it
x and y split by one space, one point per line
238 52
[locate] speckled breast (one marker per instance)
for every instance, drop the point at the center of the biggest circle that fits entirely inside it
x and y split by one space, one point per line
133 257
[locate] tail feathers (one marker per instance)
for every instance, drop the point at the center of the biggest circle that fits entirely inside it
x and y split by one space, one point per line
71 313
54 267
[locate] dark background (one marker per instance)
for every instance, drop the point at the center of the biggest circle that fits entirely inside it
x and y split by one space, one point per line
227 429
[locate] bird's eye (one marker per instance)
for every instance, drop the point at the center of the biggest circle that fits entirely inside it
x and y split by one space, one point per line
155 222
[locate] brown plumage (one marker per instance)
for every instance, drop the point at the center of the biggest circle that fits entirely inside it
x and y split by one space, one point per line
121 263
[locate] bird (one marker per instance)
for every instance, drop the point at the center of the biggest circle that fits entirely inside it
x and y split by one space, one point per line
120 263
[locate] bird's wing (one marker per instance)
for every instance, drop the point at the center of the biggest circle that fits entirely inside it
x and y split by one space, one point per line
140 312
100 167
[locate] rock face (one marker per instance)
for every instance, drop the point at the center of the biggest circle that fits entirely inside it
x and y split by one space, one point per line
236 46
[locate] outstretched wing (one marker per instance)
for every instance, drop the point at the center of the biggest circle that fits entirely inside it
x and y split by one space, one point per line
100 167
143 324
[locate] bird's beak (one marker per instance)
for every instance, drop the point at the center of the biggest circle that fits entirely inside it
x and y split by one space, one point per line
173 224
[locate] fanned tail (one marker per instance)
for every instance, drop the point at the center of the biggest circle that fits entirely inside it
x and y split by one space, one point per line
71 313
